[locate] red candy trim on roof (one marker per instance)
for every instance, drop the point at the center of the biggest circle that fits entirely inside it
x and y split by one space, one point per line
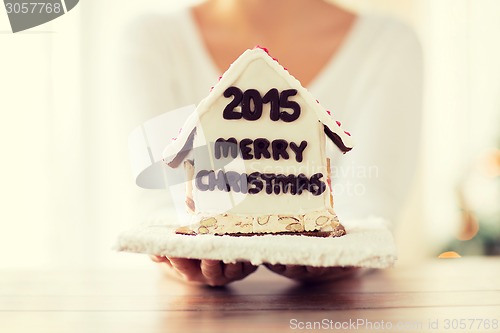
338 123
265 49
347 133
178 133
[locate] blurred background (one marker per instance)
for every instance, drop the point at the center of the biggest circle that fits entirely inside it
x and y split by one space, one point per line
66 187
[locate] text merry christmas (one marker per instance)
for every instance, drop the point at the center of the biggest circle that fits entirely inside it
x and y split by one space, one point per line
248 105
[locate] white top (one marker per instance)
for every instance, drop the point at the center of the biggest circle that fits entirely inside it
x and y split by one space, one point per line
373 86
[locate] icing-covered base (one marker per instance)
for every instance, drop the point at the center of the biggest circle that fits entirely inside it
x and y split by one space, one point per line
324 221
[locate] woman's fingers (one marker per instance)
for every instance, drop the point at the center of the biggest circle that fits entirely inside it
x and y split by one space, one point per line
239 270
316 271
216 273
233 271
289 271
295 271
276 268
212 270
312 274
188 268
159 259
248 268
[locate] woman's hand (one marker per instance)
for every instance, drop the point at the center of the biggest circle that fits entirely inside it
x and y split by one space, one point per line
312 274
210 272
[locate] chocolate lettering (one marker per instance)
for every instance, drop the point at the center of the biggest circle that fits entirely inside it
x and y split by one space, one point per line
273 97
233 181
245 150
279 149
243 183
200 176
226 148
229 111
285 103
261 148
302 183
268 178
298 150
251 106
251 103
253 180
285 184
316 186
217 180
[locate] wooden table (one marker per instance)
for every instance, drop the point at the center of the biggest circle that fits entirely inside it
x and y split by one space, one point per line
434 294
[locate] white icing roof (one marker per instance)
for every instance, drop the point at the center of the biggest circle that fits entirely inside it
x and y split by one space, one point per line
183 143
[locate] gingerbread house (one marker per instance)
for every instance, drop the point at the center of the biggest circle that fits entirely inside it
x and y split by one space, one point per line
255 154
